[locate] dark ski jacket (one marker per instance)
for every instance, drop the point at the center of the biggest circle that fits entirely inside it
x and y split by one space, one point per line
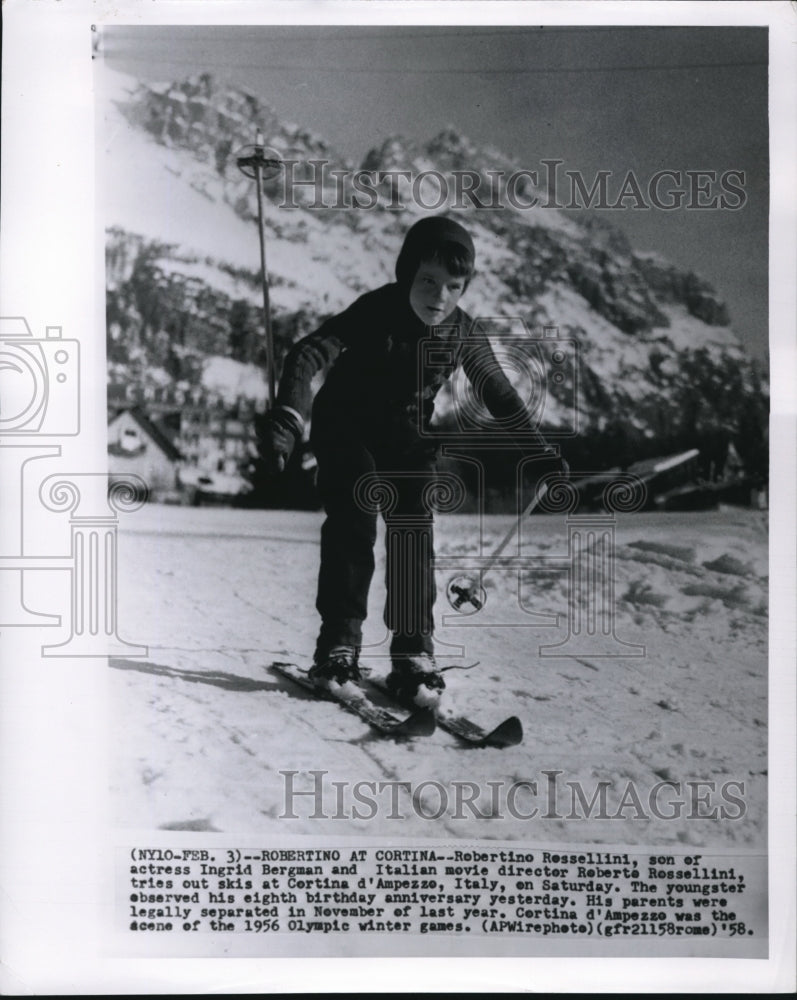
374 379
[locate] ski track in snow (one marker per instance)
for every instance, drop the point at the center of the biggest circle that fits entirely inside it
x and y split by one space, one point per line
202 728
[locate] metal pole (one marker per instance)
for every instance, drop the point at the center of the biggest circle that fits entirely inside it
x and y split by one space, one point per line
468 592
270 359
251 162
539 496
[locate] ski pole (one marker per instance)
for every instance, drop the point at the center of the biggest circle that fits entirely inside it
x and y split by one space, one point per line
253 162
539 496
465 590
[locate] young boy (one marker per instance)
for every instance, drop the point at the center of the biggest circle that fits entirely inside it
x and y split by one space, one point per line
366 418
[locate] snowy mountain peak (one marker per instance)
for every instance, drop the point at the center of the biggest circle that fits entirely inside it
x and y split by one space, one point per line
453 151
213 121
395 153
658 362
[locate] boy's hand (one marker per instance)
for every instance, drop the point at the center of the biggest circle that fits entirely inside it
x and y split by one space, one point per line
281 431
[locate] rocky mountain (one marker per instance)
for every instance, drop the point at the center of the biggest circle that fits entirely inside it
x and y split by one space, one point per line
656 365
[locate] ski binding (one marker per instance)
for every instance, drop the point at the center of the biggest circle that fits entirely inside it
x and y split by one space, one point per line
420 722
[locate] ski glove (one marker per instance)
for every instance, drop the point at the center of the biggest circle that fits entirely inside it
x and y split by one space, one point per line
281 431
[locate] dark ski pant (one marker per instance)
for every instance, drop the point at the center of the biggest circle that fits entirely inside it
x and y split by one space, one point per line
395 485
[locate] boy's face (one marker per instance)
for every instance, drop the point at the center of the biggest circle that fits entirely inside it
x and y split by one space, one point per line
435 292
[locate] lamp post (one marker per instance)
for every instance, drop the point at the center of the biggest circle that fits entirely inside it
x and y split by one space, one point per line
262 164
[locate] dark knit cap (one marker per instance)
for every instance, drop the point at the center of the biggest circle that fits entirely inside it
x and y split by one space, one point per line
427 237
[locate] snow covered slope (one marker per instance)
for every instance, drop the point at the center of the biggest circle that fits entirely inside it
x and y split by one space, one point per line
202 728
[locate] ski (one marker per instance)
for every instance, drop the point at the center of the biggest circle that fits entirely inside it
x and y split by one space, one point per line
419 723
508 733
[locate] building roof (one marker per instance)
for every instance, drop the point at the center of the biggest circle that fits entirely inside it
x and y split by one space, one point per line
151 430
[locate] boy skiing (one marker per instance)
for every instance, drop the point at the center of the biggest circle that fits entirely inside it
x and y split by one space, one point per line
367 418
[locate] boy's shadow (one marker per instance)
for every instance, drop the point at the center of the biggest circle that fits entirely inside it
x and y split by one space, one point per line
216 678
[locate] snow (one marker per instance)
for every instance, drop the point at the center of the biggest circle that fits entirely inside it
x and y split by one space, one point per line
219 483
233 379
203 728
686 331
211 274
144 194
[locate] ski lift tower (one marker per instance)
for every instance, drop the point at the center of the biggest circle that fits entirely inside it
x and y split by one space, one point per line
261 165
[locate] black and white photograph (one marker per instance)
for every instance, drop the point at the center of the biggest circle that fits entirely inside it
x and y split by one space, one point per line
416 507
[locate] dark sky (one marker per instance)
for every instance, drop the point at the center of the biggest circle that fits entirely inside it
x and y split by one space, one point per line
598 98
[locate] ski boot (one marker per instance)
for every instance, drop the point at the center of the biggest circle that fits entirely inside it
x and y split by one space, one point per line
416 681
339 666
